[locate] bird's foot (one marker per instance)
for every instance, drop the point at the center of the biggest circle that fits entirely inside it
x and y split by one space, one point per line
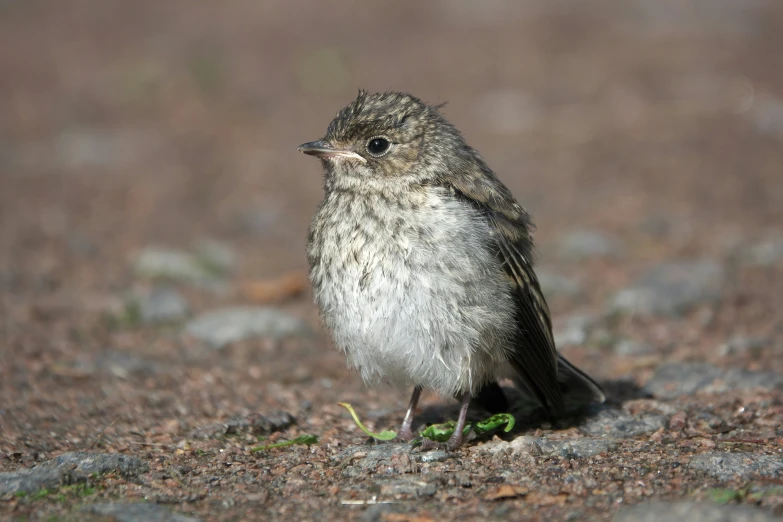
454 442
405 434
428 445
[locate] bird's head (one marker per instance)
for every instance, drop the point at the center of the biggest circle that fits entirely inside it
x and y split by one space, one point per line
386 139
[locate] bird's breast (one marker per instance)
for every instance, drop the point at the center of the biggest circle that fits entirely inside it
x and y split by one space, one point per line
393 239
407 288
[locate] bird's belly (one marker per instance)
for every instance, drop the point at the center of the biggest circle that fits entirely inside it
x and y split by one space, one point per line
419 304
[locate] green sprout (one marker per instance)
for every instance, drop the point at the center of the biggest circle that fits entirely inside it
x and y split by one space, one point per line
384 435
441 432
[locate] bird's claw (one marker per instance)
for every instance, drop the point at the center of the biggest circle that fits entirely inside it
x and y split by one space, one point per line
405 435
428 445
425 444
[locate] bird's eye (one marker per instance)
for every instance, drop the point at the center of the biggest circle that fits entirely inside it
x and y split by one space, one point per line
378 146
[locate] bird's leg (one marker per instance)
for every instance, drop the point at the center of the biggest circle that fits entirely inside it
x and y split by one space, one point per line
406 431
455 441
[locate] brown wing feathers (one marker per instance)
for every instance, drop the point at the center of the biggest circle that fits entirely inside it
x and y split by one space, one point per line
534 355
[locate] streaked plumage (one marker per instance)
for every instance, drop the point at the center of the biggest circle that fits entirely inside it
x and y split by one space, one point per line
421 262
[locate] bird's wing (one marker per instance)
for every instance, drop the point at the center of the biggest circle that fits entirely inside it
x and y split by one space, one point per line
534 357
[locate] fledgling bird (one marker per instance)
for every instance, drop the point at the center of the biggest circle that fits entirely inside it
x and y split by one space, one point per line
421 262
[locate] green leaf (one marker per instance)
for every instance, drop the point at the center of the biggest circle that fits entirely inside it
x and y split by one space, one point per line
442 432
758 496
494 423
724 496
302 439
384 435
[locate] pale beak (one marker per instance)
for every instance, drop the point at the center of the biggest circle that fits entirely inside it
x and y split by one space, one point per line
324 149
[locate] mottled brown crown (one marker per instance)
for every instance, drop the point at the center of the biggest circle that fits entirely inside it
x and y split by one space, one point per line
380 113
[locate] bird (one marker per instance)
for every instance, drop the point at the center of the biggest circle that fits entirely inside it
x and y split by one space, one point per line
421 263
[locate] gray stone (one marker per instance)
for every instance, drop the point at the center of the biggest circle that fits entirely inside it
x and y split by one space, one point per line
434 456
726 466
119 364
675 379
742 345
523 445
125 365
661 510
277 420
219 328
216 256
164 263
659 226
99 463
388 455
408 487
263 220
377 512
671 288
29 480
254 424
740 379
369 457
162 305
573 448
588 244
136 512
67 467
630 348
766 253
617 424
575 331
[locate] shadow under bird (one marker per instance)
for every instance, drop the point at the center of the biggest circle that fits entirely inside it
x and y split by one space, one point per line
422 268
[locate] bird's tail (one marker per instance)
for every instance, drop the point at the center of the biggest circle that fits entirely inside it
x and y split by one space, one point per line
577 390
577 387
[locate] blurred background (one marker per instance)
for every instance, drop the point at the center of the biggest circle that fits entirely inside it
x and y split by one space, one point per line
154 210
126 123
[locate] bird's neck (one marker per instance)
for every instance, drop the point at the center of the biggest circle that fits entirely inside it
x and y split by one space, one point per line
371 186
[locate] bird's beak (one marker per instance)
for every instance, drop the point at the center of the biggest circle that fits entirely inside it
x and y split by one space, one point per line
324 149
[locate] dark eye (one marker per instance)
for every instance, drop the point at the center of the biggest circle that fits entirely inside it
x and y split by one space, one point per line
378 146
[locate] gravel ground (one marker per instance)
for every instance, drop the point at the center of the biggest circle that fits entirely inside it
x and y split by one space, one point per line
156 320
